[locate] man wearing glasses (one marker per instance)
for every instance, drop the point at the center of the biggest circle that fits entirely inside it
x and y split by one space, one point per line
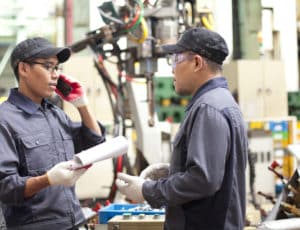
204 186
38 141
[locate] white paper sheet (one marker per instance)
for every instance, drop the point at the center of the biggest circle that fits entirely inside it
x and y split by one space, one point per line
111 148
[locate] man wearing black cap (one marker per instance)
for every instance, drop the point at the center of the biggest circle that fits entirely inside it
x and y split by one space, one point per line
204 186
38 141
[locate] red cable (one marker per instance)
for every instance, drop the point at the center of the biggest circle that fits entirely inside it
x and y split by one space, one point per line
119 163
134 20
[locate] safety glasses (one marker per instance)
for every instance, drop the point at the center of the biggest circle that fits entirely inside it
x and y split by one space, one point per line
180 57
48 66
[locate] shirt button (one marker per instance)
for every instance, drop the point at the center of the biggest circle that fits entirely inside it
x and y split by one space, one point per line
37 142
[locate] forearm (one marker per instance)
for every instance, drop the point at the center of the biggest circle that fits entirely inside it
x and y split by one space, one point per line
35 184
89 120
179 188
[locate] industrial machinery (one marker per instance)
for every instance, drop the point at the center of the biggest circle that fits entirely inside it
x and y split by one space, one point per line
285 213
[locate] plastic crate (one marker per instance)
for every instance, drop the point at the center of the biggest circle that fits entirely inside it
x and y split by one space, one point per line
106 213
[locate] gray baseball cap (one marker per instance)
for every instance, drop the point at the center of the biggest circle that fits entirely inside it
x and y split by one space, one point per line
206 43
37 48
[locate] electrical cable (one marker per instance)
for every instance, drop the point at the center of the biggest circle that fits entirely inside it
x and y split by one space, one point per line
131 26
135 19
208 24
144 36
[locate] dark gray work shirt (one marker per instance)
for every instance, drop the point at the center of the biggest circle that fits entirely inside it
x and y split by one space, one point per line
206 186
33 139
2 220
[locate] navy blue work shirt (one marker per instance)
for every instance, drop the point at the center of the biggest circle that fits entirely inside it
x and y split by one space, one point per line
33 139
206 185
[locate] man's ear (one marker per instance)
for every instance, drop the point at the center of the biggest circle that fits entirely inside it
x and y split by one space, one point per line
198 62
23 69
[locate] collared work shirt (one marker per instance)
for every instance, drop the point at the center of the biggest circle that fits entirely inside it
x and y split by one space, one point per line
206 185
33 139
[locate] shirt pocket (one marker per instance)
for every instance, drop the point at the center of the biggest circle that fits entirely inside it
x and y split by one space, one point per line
67 145
38 152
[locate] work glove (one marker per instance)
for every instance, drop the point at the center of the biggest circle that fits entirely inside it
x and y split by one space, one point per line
63 174
156 171
76 96
130 186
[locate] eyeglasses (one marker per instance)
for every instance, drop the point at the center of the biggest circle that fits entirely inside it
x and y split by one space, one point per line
179 57
48 66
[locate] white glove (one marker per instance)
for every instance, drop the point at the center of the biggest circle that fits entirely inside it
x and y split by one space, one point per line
62 174
130 186
156 171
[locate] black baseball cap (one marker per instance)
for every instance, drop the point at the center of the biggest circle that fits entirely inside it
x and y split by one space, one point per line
204 42
37 48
